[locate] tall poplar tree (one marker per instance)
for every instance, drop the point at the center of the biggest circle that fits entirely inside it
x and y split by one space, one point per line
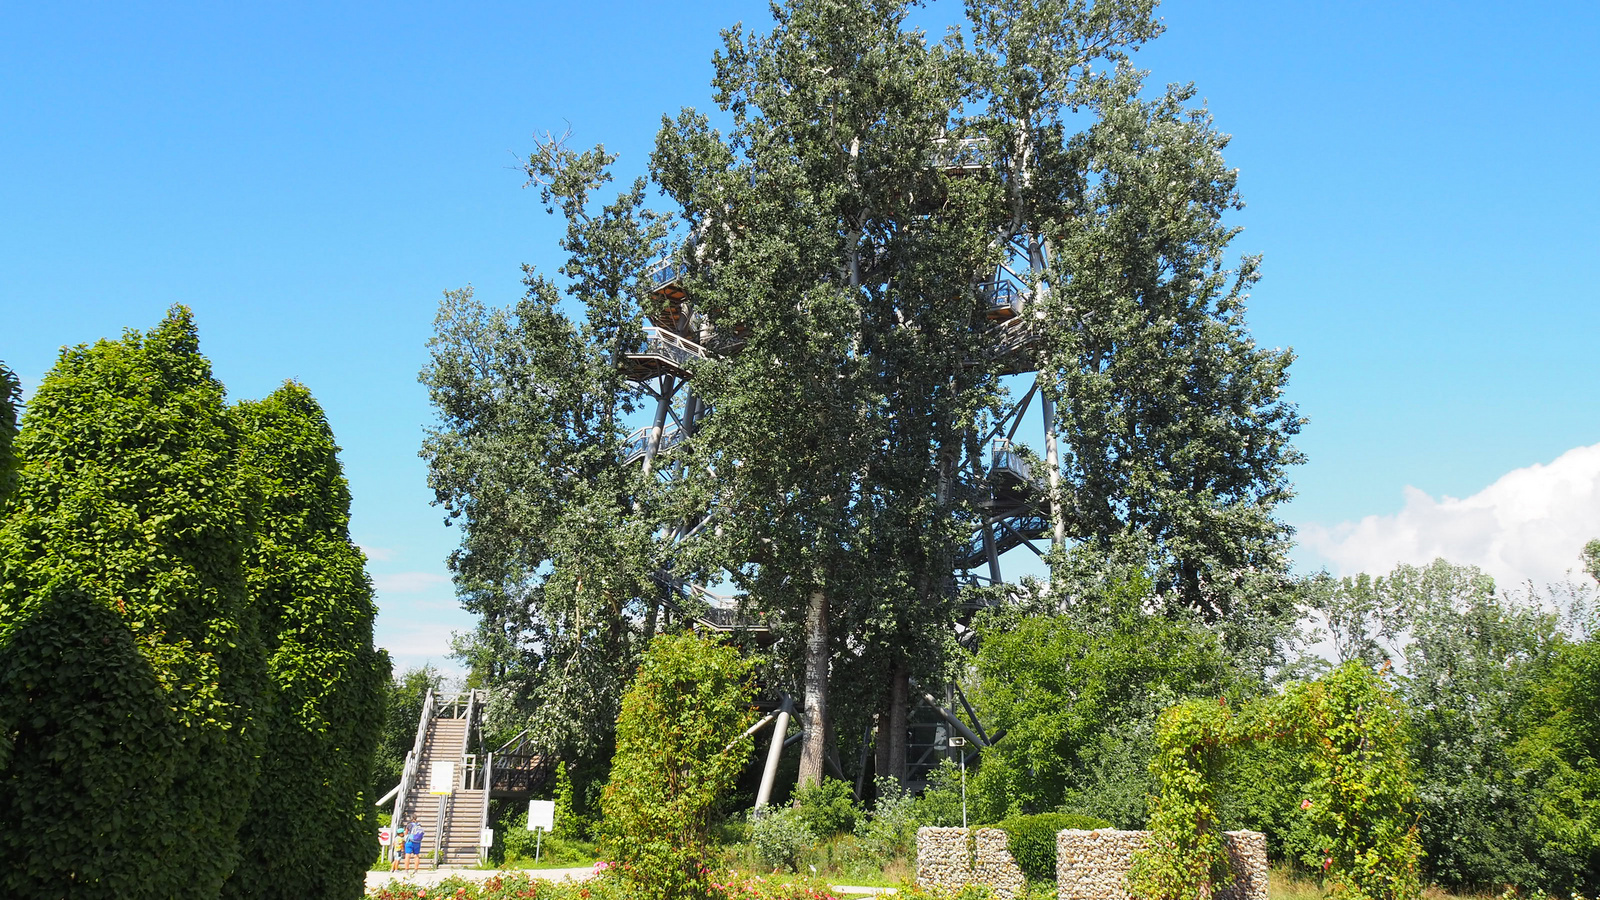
556 553
843 240
324 708
130 666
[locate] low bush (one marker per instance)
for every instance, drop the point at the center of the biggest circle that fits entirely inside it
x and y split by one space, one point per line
891 831
1033 840
780 836
828 808
608 885
521 849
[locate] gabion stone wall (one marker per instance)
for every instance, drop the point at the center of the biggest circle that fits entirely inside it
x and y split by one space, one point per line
1093 865
1247 851
944 858
995 866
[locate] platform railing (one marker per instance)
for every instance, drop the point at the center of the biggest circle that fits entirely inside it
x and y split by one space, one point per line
639 442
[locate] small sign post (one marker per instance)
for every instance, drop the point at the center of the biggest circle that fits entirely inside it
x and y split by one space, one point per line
541 818
959 743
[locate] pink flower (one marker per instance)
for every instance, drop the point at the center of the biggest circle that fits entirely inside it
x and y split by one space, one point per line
1305 804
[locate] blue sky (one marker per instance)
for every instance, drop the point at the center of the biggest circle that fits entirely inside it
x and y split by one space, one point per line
1421 180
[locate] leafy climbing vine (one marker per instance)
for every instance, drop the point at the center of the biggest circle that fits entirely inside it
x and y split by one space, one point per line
1358 799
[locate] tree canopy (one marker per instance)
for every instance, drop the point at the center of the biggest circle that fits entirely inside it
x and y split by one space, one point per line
855 247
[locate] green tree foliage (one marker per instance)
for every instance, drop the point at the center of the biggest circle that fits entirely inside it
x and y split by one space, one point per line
844 418
679 749
1358 802
1470 659
1077 695
838 239
402 705
128 742
322 719
10 401
555 553
1561 748
1172 418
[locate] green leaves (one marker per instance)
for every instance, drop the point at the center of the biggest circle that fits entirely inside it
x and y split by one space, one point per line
130 497
10 400
185 636
679 750
1358 801
325 708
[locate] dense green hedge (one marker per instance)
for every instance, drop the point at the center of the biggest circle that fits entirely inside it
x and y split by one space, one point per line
127 531
10 400
1033 840
186 661
310 585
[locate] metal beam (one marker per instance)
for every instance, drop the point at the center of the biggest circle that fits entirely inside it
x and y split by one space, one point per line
774 753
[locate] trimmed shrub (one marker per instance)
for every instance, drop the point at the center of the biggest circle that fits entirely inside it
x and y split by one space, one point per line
84 796
310 587
127 533
679 750
1033 840
10 400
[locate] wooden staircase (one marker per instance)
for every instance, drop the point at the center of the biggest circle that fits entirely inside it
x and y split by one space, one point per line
451 822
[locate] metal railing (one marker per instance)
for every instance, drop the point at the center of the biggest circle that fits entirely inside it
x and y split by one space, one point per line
1012 532
483 818
665 271
1011 336
1002 294
466 739
1004 459
968 154
639 443
408 775
674 348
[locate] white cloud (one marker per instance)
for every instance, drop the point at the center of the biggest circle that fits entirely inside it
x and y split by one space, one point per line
377 554
412 644
408 582
1531 524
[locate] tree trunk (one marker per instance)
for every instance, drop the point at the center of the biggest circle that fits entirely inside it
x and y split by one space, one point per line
815 743
899 708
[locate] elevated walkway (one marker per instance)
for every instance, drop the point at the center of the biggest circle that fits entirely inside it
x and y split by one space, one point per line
663 353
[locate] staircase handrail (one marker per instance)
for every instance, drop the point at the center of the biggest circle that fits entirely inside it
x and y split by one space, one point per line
520 735
678 348
413 762
466 733
483 820
639 441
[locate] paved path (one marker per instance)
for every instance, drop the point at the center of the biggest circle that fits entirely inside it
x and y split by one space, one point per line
430 877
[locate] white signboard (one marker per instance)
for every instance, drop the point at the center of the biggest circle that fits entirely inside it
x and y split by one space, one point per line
486 837
442 779
384 834
541 814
